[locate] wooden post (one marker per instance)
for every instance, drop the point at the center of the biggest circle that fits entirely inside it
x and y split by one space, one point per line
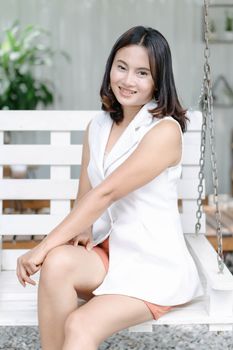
60 172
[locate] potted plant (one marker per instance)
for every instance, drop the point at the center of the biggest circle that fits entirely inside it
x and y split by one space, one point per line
22 53
228 27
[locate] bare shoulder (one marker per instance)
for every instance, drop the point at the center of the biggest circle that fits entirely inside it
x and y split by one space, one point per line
165 131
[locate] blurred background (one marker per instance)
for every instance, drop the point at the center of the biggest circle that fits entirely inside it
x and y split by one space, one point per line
78 36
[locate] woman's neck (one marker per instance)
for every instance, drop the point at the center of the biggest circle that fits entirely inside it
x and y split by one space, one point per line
129 114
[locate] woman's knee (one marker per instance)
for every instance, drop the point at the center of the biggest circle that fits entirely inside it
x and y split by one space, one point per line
77 326
58 262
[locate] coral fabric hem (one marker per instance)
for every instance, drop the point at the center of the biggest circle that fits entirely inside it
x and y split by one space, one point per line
102 250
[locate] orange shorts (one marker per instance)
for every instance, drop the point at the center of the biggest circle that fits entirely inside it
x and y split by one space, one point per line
102 250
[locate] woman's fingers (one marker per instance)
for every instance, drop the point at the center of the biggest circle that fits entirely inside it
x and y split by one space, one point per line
89 244
85 239
71 241
24 277
24 270
19 276
76 242
80 240
31 268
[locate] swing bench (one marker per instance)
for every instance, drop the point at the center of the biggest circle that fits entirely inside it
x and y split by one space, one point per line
18 304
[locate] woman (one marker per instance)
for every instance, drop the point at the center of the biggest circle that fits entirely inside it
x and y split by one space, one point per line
126 208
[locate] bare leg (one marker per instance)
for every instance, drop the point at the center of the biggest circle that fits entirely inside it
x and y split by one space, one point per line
102 316
67 272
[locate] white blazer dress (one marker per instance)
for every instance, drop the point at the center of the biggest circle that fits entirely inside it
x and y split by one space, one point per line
148 256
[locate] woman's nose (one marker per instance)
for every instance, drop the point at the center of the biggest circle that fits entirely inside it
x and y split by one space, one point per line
129 79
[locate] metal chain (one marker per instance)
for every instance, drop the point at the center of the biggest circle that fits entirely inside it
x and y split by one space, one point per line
206 99
201 93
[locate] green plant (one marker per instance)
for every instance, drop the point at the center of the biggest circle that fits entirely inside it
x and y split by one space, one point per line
228 23
21 54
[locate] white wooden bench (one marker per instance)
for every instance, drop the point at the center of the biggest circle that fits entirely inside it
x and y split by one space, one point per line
18 304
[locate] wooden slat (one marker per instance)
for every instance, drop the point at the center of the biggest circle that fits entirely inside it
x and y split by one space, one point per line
67 189
190 172
27 204
9 258
38 189
20 244
227 243
191 155
192 138
29 224
40 154
60 172
45 120
43 224
195 120
34 205
63 155
54 120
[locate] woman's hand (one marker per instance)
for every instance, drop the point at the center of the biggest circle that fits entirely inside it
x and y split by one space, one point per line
29 263
84 238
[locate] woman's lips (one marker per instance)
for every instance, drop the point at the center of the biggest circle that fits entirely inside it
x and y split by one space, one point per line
126 92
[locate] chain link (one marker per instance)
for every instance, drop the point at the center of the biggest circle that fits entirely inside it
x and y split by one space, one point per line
206 101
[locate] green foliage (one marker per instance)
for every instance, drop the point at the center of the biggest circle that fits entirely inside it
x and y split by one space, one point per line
229 23
21 53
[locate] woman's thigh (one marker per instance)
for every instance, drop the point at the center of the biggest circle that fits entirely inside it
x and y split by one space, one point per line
106 314
83 269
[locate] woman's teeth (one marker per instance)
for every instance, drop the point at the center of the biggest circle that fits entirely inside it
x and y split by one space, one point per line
127 92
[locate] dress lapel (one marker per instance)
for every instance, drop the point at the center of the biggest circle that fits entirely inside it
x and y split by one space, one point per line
128 138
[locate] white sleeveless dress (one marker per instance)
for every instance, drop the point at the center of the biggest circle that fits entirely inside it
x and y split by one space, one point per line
148 256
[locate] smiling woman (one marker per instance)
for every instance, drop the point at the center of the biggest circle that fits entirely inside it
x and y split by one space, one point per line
140 63
127 209
131 79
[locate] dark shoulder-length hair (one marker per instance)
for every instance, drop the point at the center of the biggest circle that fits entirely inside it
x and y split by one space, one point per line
161 69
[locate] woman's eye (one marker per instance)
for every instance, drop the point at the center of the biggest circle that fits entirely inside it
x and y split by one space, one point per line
143 73
121 67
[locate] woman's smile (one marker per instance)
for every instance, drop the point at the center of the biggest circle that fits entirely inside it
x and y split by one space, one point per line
126 92
131 79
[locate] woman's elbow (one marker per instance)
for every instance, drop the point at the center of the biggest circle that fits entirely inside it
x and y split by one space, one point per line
107 193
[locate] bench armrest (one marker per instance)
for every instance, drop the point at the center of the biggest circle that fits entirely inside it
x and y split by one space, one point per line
205 254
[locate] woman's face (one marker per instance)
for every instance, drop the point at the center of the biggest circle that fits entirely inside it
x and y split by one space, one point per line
130 76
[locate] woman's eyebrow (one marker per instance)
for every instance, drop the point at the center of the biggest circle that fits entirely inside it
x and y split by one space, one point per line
144 68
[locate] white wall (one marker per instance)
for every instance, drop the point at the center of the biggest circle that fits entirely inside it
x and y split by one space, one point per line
87 30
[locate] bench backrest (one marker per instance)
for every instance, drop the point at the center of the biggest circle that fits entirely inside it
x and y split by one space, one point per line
60 155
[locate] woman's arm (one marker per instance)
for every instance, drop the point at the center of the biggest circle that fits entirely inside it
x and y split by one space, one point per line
86 237
159 149
84 183
88 209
